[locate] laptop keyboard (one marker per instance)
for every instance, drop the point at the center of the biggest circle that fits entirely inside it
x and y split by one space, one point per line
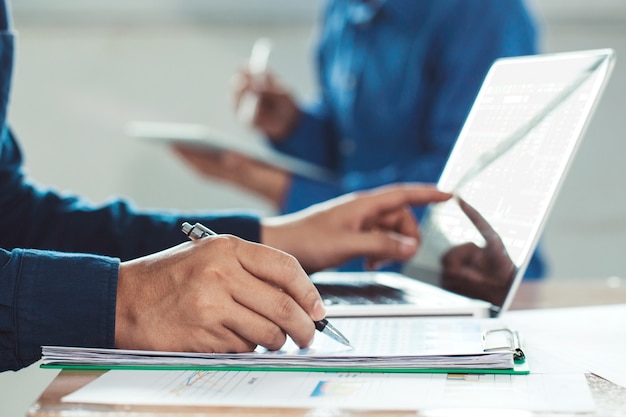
360 293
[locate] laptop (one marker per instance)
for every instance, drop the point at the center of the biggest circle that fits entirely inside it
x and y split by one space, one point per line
505 170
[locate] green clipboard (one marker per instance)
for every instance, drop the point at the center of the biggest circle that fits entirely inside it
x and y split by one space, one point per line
520 368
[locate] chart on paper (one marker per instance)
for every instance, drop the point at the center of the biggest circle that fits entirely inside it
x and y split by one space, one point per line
536 392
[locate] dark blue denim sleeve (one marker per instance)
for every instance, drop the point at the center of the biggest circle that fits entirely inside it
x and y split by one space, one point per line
52 298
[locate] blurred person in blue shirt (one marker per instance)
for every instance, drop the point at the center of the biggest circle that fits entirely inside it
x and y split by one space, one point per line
397 79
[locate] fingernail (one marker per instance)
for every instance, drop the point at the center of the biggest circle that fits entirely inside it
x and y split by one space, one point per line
407 246
319 311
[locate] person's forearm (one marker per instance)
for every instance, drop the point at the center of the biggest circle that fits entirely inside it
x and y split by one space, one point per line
270 183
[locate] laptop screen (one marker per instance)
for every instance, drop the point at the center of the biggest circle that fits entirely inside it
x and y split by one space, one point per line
506 168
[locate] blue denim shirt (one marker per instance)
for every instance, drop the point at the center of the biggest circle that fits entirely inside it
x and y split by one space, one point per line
59 255
397 79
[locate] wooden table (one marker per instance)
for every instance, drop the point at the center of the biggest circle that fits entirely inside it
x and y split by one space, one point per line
610 398
570 293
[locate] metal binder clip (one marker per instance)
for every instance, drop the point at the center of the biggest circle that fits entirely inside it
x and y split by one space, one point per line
514 344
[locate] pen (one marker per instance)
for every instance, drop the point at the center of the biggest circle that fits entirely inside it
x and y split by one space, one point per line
198 231
259 56
257 64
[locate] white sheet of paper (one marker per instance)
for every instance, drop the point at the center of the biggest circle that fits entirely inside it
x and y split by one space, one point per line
592 339
359 391
378 342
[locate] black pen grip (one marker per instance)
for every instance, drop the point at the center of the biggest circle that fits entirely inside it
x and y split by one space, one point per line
321 324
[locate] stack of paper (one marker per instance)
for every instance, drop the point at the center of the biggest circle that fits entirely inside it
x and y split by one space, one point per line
380 344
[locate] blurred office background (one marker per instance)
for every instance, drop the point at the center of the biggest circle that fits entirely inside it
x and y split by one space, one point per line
86 68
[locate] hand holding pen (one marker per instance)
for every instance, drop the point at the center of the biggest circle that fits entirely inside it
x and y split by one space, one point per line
261 100
220 294
226 294
199 231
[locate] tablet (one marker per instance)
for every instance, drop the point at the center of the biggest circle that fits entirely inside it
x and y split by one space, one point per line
211 140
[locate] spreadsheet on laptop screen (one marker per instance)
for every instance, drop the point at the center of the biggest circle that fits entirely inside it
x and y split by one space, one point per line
514 192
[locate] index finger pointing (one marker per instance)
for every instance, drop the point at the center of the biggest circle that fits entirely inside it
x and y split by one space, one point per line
392 197
481 224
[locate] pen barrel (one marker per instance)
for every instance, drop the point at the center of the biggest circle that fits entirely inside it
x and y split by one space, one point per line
197 231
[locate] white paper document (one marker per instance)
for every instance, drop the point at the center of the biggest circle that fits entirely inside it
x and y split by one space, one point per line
588 339
379 343
358 391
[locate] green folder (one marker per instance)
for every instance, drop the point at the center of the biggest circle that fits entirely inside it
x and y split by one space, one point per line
519 368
